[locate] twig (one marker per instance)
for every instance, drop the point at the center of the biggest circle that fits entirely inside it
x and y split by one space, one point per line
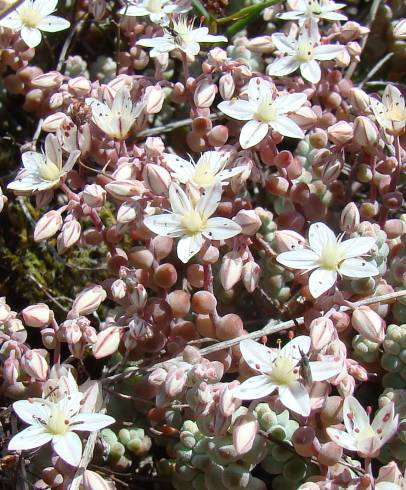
376 68
371 19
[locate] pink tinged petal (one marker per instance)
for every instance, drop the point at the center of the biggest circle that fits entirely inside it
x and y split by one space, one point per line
188 246
355 247
30 438
209 200
311 71
184 170
32 160
31 412
70 163
320 281
287 127
321 237
368 446
354 415
52 23
69 447
221 229
165 225
254 388
53 150
252 133
256 355
179 201
385 423
357 268
296 398
327 51
31 36
342 438
242 110
289 103
292 349
283 66
303 259
322 370
90 421
284 43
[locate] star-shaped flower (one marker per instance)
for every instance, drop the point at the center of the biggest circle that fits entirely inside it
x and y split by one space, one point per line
329 256
303 53
209 169
181 36
32 17
56 422
391 112
313 9
158 11
280 371
116 121
192 222
360 435
43 171
263 110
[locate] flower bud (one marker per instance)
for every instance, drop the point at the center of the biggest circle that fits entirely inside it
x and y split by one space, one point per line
94 195
80 86
360 100
122 189
38 315
88 301
369 324
399 31
305 117
244 432
69 235
204 93
175 382
329 454
157 179
154 147
53 122
92 480
331 170
354 48
350 218
128 212
230 270
118 289
52 79
249 221
322 332
139 296
49 339
47 226
154 97
227 86
343 59
35 365
107 342
250 275
365 132
340 133
260 45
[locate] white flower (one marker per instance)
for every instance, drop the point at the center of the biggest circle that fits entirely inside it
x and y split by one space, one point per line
32 17
360 435
157 10
192 222
391 112
263 111
182 36
116 121
280 371
55 422
43 171
302 53
209 169
328 256
313 9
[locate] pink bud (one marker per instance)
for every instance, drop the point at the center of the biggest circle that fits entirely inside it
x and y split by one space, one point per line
204 94
365 132
122 189
118 289
157 377
305 117
154 97
230 270
53 122
340 132
322 332
228 404
251 272
399 30
52 79
248 220
343 59
80 86
346 386
128 212
93 481
47 226
69 235
244 432
227 86
369 324
175 382
260 45
286 240
331 170
89 335
11 370
154 147
38 315
329 454
49 338
139 297
350 218
107 342
354 48
56 101
357 371
157 179
390 473
360 100
35 365
94 195
217 56
88 301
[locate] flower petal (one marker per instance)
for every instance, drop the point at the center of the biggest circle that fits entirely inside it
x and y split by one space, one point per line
31 36
30 438
327 51
221 229
242 110
284 125
284 43
165 225
183 169
292 349
320 281
257 88
69 447
311 71
296 398
32 160
357 268
180 202
257 356
322 370
209 200
255 387
53 23
12 21
321 237
341 438
303 259
188 246
91 421
252 133
53 150
32 411
45 7
289 103
354 415
283 66
355 247
385 423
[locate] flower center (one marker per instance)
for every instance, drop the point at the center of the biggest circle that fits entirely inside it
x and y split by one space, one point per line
283 371
192 222
395 113
266 111
154 6
57 423
365 433
304 50
204 176
29 15
330 257
49 171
